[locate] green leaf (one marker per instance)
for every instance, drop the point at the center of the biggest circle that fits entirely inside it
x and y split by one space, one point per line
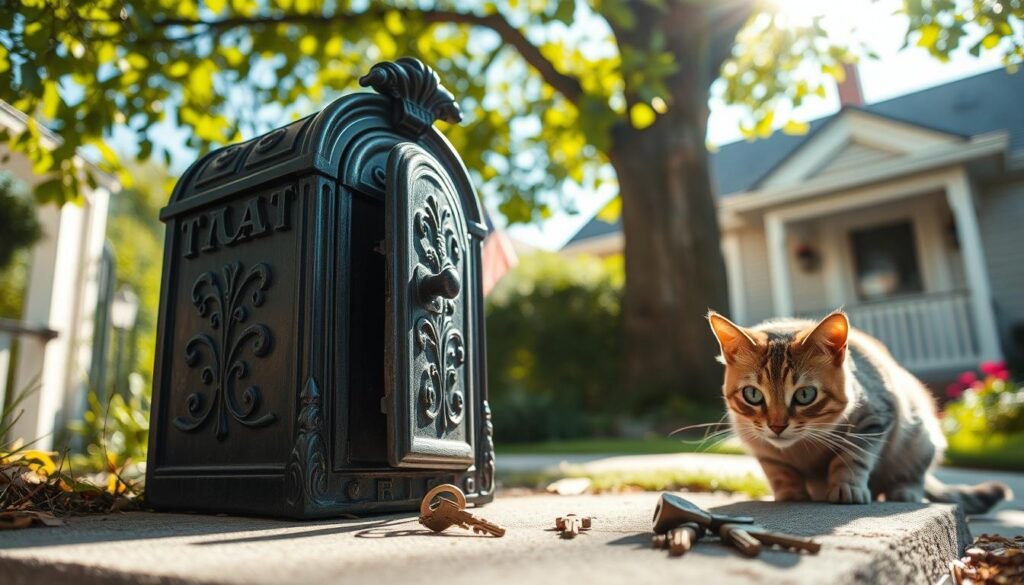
308 44
51 99
929 36
991 41
796 128
611 212
641 115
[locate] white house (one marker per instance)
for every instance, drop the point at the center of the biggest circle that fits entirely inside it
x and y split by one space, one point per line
55 335
909 213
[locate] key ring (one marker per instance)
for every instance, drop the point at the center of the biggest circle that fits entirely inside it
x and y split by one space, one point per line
445 488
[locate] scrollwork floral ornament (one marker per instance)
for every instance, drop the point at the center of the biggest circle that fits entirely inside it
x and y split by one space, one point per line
226 306
438 286
307 468
487 485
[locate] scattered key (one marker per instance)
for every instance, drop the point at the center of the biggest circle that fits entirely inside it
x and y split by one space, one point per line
570 525
739 532
674 510
678 540
439 513
718 519
737 536
782 539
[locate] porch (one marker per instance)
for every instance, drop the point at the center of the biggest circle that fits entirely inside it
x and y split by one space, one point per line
903 258
929 332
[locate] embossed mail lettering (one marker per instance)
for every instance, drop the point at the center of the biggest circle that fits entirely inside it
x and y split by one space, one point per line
261 216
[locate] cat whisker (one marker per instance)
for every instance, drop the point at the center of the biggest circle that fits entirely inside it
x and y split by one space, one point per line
845 443
721 421
705 438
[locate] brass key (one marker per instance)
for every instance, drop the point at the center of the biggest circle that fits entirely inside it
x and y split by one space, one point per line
678 540
673 510
737 536
718 519
438 512
782 539
570 525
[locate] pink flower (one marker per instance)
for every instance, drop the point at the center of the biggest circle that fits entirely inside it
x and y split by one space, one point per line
1002 375
967 378
993 367
954 390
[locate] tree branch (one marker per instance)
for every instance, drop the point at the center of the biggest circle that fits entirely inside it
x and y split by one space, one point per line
727 19
565 84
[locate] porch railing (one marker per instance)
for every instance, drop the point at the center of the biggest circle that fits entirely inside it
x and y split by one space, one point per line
33 338
923 332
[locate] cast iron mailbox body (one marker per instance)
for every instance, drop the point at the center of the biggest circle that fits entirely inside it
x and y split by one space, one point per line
321 336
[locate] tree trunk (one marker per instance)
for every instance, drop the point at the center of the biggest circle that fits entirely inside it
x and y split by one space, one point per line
675 270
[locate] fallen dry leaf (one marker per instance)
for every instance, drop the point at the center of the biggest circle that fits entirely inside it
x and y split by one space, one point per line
25 518
992 559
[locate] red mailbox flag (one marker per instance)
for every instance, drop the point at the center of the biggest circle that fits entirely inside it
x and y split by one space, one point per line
498 256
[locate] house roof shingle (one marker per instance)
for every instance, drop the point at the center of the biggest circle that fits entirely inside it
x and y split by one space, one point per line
967 107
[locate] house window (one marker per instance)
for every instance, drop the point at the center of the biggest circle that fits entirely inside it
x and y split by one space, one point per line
885 261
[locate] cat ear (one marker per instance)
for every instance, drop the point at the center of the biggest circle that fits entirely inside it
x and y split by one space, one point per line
731 337
830 336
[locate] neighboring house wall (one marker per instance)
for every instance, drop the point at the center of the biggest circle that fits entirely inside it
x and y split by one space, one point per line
1001 218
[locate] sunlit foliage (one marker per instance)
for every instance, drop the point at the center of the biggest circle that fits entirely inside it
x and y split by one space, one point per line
552 71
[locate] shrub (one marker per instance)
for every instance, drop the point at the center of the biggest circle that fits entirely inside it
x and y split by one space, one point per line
984 423
115 431
555 359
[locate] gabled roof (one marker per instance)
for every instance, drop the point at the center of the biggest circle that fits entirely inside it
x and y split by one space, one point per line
967 107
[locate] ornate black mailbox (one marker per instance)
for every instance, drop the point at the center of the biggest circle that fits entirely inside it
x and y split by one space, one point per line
321 338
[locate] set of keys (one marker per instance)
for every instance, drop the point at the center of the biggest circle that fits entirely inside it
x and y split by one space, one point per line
445 506
570 525
679 523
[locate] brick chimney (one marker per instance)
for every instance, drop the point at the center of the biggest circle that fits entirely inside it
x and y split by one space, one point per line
850 93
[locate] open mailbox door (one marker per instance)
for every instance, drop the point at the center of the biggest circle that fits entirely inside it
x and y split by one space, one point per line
429 395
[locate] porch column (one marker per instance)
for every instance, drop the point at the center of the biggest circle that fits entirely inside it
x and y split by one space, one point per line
960 196
734 275
778 262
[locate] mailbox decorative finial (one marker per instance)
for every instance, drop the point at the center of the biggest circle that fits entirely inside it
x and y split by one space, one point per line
420 97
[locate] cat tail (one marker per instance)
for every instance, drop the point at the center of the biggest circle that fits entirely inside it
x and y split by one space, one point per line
973 499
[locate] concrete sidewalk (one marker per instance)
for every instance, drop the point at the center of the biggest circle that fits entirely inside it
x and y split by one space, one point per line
1007 518
885 543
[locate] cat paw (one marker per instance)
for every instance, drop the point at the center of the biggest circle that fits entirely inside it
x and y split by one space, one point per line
905 494
849 493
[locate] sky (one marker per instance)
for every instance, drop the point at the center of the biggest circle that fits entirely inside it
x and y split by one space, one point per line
895 72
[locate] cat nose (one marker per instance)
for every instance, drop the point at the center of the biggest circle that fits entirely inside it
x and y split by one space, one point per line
777 429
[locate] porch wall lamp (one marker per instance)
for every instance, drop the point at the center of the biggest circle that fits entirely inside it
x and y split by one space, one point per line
124 309
807 257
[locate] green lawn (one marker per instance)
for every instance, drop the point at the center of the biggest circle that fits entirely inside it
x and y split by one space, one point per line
621 447
657 480
996 451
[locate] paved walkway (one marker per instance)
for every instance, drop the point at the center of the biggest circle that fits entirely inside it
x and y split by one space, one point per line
887 543
1007 518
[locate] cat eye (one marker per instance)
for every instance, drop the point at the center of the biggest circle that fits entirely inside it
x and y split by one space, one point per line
752 395
805 395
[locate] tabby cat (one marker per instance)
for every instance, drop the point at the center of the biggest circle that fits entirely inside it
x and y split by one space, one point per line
831 416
